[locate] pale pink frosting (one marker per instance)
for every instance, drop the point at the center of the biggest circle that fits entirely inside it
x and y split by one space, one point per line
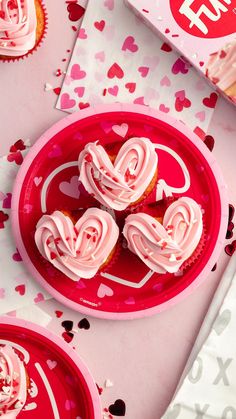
18 24
117 186
77 250
221 68
164 248
13 383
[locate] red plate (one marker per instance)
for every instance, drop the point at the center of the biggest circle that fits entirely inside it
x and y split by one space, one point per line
63 387
48 180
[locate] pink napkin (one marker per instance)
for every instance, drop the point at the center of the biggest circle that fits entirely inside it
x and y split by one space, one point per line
17 287
116 58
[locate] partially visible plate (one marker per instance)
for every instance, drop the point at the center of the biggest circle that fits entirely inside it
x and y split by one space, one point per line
48 180
63 386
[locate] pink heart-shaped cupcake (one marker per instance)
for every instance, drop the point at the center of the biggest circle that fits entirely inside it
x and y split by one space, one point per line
120 184
77 250
164 248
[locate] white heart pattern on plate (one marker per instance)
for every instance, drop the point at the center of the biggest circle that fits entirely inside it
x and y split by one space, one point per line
77 250
124 182
164 248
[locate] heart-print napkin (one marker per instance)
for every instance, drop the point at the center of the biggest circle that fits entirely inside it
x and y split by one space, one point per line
209 388
116 58
17 287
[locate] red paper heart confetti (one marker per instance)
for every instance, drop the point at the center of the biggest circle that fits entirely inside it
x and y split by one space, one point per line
210 102
115 71
75 11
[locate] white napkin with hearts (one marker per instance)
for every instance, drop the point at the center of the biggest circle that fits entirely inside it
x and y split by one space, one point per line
209 388
117 58
17 287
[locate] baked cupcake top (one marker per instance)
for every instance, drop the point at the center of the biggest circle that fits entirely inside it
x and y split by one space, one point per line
77 250
13 383
119 184
165 247
221 68
18 24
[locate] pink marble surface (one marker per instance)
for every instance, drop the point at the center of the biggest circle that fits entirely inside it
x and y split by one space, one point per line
143 358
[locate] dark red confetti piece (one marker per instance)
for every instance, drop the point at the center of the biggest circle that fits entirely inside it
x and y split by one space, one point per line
118 408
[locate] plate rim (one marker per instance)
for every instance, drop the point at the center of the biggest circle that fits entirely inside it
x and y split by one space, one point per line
126 108
96 402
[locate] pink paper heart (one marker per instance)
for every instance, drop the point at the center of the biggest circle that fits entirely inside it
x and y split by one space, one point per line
109 4
17 257
67 102
164 108
104 291
100 56
80 91
82 34
113 90
121 130
55 151
7 201
180 67
107 126
139 100
151 94
180 95
70 188
165 81
76 73
129 44
130 301
37 180
39 297
143 70
201 116
27 208
70 404
51 364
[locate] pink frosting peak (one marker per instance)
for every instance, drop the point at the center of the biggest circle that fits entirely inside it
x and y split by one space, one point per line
164 248
124 182
221 68
13 383
18 24
77 250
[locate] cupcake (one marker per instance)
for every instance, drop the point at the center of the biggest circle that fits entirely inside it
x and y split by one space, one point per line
22 27
13 382
122 180
78 249
166 247
221 69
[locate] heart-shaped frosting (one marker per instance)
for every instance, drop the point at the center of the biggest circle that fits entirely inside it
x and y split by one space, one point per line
124 182
164 248
77 250
13 383
17 27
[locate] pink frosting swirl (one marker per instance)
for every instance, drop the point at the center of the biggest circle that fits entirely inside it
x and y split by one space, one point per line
13 383
221 68
117 186
164 248
77 250
18 24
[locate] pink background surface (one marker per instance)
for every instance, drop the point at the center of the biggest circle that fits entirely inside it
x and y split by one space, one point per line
144 358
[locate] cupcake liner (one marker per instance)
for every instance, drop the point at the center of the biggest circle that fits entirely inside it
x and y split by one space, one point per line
197 252
6 59
112 258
